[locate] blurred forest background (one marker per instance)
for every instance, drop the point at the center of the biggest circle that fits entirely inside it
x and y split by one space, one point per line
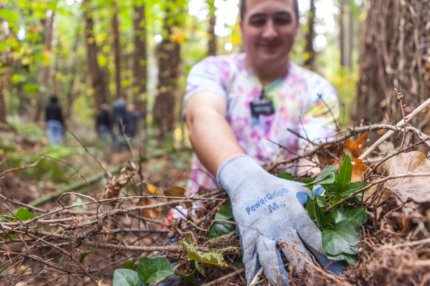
376 54
92 51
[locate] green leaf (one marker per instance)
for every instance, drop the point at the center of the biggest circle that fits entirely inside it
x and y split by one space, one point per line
199 268
128 265
286 176
350 259
312 209
345 173
82 256
154 269
125 277
343 239
188 278
315 206
24 214
225 212
327 176
213 258
354 216
221 228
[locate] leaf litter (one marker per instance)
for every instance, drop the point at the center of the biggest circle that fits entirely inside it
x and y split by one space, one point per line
127 220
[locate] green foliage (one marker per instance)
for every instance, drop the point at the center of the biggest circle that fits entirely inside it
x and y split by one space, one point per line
148 271
341 226
126 277
24 214
225 213
210 257
151 270
50 167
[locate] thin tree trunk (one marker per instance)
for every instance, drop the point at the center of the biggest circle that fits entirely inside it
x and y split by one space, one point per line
169 60
4 67
310 35
3 108
45 80
74 72
97 77
140 73
212 42
345 23
117 49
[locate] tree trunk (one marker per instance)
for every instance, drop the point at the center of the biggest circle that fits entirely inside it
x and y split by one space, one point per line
3 109
45 72
117 49
310 35
212 40
169 60
140 73
346 28
4 68
97 76
74 62
394 55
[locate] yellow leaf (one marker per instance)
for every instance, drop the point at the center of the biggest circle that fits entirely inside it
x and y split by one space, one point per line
153 190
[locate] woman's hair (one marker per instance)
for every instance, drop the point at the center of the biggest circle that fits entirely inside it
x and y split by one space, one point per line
242 9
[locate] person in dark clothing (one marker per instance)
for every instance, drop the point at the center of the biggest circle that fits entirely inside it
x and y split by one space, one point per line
119 110
54 121
131 121
104 123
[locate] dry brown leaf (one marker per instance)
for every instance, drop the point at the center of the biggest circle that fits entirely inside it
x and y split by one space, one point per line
358 169
175 191
150 212
416 188
355 147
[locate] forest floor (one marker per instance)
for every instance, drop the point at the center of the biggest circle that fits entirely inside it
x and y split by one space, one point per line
115 210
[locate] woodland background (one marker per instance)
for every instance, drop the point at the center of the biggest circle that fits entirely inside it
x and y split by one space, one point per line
375 53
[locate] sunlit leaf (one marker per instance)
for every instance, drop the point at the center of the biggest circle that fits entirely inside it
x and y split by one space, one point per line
24 214
210 257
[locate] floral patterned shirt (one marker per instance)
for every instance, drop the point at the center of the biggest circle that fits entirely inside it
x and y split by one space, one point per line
304 104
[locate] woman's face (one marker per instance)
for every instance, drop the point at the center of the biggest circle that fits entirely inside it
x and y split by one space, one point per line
268 28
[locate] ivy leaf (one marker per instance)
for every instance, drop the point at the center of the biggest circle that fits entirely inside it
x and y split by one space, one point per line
221 228
349 258
225 212
24 214
327 176
315 206
354 216
343 239
210 257
125 277
345 173
286 176
154 269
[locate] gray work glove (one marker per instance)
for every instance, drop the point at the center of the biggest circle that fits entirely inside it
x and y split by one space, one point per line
270 216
